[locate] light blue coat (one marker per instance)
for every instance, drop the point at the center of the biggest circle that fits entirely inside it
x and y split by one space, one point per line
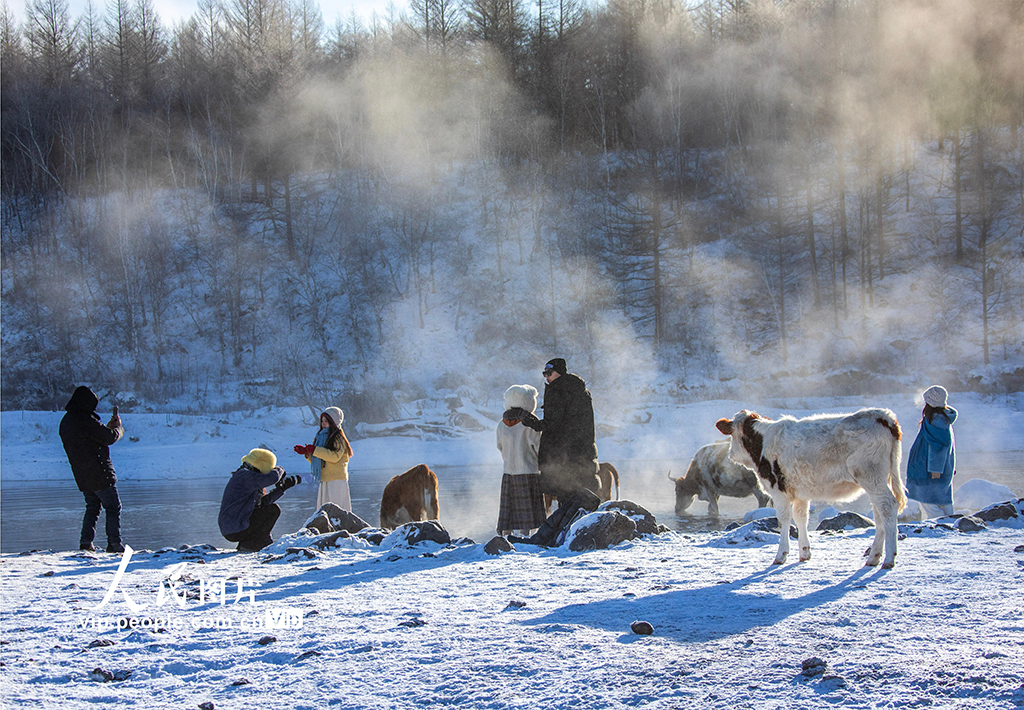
934 450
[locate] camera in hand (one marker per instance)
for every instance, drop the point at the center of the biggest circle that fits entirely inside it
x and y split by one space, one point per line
287 482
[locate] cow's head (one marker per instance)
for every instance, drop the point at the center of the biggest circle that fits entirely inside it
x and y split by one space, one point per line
746 444
686 490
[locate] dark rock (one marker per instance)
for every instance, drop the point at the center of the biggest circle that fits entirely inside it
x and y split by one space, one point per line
319 524
732 526
374 536
332 518
1019 548
497 545
642 628
266 640
426 531
645 522
464 541
122 675
328 541
608 528
516 604
413 623
772 525
206 706
100 643
813 666
298 552
101 675
308 654
969 523
999 511
844 520
241 681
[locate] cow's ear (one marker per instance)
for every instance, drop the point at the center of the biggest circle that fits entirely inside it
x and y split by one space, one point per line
724 426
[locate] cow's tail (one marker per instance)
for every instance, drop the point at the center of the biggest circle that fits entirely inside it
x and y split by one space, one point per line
895 455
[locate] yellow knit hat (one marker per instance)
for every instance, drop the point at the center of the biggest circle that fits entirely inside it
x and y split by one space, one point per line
261 460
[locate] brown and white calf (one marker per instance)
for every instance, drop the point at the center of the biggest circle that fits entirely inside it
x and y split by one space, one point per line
408 497
712 474
826 457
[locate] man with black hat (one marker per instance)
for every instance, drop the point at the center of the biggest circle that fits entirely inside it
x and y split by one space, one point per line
568 446
87 443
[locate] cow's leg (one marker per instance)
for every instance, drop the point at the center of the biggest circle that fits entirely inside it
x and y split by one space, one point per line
784 512
884 504
800 511
763 499
712 503
400 517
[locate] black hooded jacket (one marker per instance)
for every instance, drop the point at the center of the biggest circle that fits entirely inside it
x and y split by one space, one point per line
86 441
568 448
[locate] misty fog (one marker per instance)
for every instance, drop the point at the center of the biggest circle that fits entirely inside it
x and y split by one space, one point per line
719 199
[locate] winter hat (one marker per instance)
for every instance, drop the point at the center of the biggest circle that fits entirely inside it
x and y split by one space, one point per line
335 415
522 396
261 460
935 396
557 364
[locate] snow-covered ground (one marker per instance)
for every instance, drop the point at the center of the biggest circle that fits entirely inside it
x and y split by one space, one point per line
451 626
400 627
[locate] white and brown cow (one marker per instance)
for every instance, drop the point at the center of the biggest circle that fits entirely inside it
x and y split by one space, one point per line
408 497
826 457
712 474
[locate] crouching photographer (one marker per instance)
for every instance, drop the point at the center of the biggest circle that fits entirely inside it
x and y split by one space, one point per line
248 511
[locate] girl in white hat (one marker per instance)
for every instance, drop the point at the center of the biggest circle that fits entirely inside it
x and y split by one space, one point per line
521 505
328 457
932 460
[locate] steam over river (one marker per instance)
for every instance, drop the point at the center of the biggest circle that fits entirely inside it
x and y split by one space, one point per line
171 513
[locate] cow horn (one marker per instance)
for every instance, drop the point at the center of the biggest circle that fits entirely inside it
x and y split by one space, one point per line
670 476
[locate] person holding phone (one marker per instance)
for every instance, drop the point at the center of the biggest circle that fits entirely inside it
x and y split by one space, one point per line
87 443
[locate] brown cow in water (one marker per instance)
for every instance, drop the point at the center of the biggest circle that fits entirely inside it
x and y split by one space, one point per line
607 475
712 474
408 497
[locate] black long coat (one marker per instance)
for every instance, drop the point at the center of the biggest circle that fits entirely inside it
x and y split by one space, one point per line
568 447
87 442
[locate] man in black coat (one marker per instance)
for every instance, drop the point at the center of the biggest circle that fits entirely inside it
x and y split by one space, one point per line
86 441
568 445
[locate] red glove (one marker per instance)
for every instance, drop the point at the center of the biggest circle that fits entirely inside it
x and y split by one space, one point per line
300 449
310 448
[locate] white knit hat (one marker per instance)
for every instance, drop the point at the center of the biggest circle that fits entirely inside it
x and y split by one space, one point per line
935 396
522 396
337 416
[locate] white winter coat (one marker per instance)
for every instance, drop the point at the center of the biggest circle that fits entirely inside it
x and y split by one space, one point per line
518 446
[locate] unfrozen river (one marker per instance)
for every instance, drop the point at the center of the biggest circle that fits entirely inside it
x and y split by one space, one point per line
163 513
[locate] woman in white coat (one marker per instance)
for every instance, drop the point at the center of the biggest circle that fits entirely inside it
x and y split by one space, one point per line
522 503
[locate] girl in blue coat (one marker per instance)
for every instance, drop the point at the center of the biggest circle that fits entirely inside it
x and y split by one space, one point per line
932 460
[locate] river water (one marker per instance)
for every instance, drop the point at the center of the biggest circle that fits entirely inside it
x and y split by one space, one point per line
161 513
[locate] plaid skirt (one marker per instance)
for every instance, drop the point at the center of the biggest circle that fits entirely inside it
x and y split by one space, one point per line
522 504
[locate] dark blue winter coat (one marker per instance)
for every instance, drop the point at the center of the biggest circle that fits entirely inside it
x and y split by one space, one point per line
242 494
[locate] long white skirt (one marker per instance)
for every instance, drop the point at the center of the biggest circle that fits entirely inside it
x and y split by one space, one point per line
334 492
